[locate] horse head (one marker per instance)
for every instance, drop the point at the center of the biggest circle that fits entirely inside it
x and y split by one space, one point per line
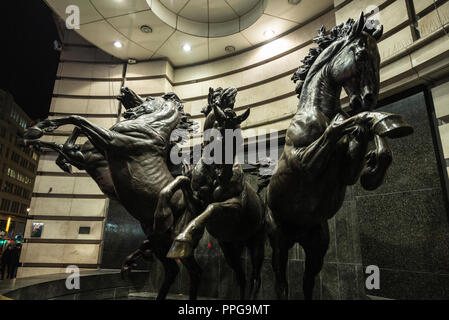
160 116
350 54
356 66
129 98
223 99
228 119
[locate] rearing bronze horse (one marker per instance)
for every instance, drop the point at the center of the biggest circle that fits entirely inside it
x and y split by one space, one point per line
87 157
136 152
326 150
219 197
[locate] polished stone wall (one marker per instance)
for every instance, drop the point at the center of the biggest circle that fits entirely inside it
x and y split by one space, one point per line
122 235
404 228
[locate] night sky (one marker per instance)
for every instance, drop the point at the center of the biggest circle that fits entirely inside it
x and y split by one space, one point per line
28 60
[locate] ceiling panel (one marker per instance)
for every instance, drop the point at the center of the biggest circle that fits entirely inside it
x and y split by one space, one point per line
129 25
104 35
255 33
132 50
87 11
113 8
174 5
242 7
217 45
173 49
220 11
301 12
195 10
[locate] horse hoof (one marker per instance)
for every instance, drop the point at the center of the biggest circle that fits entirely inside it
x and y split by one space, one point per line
392 126
180 249
33 133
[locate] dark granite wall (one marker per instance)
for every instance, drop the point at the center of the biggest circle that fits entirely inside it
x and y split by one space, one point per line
402 228
122 235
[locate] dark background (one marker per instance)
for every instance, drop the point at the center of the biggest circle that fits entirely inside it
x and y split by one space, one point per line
28 61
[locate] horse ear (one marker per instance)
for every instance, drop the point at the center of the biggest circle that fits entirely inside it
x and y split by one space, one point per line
359 25
243 116
378 33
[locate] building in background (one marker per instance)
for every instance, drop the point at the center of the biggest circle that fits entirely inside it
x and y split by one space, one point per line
18 167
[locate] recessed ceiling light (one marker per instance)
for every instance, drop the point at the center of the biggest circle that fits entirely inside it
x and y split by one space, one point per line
146 29
230 49
186 47
118 44
268 33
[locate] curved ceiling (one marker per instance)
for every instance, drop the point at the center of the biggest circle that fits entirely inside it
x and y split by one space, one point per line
175 23
206 18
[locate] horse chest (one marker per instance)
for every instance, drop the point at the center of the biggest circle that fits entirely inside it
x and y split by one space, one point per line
306 200
138 183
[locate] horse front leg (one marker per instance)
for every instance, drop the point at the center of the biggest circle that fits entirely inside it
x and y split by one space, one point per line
64 159
314 157
185 242
163 216
70 153
355 154
378 162
101 138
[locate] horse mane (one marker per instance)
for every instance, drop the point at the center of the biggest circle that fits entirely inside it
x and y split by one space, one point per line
340 33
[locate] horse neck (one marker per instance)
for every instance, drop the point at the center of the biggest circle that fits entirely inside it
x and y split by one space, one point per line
225 168
165 127
322 93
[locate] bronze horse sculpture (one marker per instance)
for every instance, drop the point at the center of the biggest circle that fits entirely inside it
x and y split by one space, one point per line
136 151
221 200
86 157
326 150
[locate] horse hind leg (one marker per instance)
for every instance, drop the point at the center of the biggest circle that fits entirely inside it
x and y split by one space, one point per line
315 249
171 270
195 272
256 249
279 263
232 253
